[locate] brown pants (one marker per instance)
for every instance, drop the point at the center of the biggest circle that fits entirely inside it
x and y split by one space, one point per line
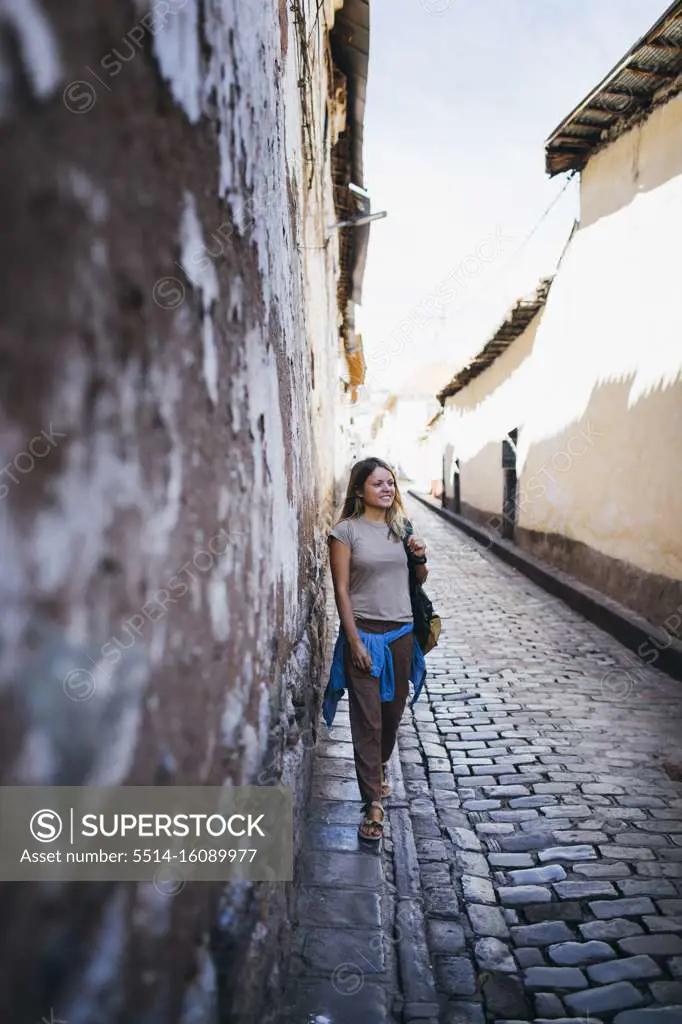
373 723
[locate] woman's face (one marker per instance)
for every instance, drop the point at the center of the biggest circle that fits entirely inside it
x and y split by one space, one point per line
379 489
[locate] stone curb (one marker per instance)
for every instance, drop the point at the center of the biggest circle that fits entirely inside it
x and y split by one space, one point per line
418 984
630 629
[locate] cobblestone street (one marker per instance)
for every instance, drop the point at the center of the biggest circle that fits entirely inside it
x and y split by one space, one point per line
532 867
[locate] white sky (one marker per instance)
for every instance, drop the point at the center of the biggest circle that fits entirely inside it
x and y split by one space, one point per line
459 105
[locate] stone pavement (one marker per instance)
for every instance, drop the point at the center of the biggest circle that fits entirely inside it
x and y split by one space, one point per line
344 964
533 865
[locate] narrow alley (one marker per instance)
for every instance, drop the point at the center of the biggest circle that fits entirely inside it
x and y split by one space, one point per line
318 315
533 866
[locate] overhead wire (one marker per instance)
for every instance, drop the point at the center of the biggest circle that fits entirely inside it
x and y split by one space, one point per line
542 218
512 259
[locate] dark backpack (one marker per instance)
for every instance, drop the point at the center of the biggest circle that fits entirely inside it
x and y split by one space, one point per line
427 624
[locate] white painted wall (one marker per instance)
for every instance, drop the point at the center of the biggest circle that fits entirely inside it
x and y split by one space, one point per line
595 383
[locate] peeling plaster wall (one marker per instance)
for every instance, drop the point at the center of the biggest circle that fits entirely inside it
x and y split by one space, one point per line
167 430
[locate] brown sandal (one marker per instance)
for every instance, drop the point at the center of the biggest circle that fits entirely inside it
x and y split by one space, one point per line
370 829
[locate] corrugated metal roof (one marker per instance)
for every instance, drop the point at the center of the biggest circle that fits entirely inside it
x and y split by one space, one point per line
511 327
647 75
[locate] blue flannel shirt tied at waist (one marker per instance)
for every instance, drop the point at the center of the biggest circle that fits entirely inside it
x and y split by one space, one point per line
377 645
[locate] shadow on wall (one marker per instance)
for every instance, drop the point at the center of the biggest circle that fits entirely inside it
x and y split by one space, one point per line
602 499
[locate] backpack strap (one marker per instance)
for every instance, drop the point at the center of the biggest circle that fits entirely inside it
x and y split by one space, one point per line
409 530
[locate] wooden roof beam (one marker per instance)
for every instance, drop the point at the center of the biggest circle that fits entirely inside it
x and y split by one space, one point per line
624 93
652 74
573 140
596 114
664 47
596 126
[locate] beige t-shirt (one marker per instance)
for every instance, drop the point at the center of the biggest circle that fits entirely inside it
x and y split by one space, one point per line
379 579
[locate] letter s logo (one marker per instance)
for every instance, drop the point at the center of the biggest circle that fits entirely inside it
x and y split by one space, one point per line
46 826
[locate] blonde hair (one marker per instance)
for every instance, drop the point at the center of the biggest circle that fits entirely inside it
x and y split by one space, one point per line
354 506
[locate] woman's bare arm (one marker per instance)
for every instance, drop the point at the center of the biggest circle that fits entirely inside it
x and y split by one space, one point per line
339 559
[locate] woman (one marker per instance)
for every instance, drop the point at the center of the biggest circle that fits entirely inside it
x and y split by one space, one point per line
369 565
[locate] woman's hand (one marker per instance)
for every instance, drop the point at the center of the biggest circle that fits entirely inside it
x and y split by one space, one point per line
416 546
360 656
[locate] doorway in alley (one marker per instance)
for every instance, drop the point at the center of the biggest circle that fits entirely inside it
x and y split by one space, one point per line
510 484
456 490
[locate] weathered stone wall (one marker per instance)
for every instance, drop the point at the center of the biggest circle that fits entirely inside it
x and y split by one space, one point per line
169 373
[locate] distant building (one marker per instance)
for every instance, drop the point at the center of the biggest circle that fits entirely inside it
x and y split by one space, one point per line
401 424
483 404
584 402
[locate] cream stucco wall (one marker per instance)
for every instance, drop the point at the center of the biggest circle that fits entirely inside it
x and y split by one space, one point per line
643 159
594 386
611 480
481 483
479 417
608 475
